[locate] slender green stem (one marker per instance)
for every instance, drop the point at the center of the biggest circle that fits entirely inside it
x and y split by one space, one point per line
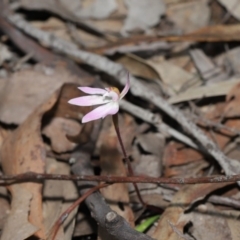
130 170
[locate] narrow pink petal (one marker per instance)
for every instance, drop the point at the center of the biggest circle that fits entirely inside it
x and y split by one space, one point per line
101 112
91 90
126 88
88 100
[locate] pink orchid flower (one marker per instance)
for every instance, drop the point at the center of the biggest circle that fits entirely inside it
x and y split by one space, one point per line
110 97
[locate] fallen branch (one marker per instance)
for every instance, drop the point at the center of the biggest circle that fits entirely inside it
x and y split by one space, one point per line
30 176
230 166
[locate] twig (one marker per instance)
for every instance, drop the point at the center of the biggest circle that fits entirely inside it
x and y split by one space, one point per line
21 61
66 213
230 166
226 201
30 176
155 120
208 123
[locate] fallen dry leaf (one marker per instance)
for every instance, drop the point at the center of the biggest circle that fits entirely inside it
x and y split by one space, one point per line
171 75
232 6
138 66
19 101
151 143
213 90
177 154
98 9
209 72
220 224
58 196
183 200
62 123
230 60
188 15
233 223
210 219
152 10
22 151
57 130
147 157
17 226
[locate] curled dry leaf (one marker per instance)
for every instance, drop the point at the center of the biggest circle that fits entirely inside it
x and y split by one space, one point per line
22 151
17 226
138 66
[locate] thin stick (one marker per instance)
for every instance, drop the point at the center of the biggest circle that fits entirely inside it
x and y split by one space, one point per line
66 213
32 176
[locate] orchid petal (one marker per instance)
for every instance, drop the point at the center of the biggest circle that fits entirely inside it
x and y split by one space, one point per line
126 88
89 100
101 112
91 90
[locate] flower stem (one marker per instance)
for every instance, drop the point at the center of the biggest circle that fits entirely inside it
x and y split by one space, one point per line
126 158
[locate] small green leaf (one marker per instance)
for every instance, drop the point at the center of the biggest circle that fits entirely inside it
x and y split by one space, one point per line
147 223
